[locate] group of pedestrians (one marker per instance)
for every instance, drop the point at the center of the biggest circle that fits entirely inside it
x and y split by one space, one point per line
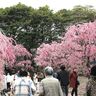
50 85
68 79
64 80
59 85
21 84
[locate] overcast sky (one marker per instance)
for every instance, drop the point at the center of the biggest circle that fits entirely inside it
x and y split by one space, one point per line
53 4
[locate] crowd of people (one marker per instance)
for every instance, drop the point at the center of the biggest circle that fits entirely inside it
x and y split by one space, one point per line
50 83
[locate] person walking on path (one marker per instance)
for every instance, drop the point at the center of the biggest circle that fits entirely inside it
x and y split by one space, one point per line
91 84
74 82
23 85
50 86
63 77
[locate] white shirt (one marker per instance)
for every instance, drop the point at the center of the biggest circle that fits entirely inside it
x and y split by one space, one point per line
8 78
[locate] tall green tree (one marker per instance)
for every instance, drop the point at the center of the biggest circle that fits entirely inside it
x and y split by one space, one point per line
31 27
26 25
16 23
41 22
81 14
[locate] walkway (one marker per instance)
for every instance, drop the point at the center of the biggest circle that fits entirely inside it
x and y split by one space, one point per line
82 87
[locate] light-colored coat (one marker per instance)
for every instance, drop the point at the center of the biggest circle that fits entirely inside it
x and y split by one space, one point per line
91 87
50 86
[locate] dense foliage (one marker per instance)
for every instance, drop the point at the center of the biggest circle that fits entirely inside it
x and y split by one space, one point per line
10 54
32 27
76 49
43 27
6 52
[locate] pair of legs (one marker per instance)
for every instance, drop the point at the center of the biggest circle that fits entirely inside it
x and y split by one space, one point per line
8 86
65 90
74 91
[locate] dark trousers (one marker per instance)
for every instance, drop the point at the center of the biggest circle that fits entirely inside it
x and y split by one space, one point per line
65 90
74 91
8 86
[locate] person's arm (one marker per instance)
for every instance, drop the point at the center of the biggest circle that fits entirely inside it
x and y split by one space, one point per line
60 90
41 89
88 85
33 86
88 88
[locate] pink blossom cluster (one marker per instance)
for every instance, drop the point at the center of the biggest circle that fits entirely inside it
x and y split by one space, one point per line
6 49
78 44
20 50
6 52
9 52
24 62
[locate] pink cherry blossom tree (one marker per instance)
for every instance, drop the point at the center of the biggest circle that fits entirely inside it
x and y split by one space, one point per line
84 36
23 57
9 53
6 52
20 50
77 48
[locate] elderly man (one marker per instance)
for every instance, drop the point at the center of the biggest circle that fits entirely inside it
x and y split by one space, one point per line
50 86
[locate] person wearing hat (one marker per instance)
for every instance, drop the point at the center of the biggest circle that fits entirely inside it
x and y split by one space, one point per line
50 86
91 84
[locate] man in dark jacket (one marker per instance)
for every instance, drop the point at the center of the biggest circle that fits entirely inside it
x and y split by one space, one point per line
63 77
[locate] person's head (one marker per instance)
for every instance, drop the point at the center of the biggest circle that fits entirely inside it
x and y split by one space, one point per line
93 71
48 71
74 69
23 73
62 67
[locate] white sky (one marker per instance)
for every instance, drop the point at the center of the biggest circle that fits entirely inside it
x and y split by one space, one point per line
53 4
